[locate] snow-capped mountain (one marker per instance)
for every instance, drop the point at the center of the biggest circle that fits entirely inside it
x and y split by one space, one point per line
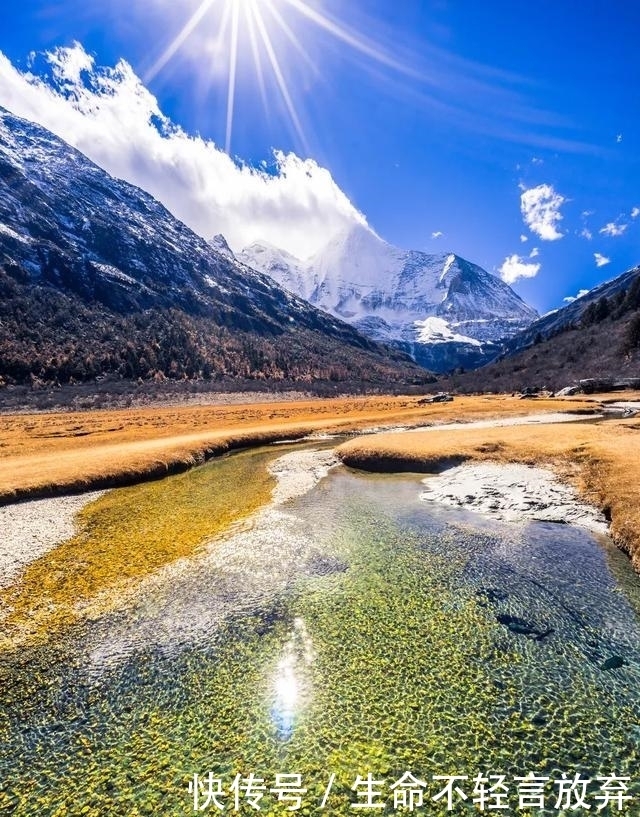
97 277
280 265
219 243
444 310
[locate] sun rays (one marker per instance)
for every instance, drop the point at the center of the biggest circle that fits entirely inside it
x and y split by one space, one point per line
273 36
180 39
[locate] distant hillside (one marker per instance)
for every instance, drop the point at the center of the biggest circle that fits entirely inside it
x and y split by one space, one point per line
596 336
98 280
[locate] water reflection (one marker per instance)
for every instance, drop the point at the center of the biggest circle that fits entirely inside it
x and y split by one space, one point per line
291 687
355 629
286 696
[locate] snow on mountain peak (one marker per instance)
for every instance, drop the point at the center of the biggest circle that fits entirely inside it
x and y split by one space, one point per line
358 258
219 243
437 330
412 298
284 268
447 265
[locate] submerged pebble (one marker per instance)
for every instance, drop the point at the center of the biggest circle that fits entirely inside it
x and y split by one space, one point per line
615 662
346 632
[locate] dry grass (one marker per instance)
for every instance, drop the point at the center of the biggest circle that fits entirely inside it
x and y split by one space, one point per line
601 460
46 454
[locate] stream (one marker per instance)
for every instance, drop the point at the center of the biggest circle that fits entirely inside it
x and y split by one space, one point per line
353 647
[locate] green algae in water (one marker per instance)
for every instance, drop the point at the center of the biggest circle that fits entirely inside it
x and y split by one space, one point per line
130 532
388 637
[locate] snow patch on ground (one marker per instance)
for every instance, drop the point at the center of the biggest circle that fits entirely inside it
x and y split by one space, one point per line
513 493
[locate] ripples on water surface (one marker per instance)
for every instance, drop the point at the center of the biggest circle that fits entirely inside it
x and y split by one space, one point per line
353 630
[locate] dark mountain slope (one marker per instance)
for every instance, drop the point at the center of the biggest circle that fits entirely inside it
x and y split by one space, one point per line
97 278
596 336
571 315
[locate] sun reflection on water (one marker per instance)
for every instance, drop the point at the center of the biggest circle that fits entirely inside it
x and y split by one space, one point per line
291 686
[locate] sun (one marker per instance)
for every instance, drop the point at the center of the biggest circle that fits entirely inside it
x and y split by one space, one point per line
247 29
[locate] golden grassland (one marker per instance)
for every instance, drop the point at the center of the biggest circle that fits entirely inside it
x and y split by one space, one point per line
46 454
601 459
128 534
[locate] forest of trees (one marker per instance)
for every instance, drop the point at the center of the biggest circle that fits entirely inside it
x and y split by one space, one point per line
49 337
626 300
604 341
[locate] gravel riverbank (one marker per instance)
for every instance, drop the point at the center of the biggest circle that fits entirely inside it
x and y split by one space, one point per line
31 529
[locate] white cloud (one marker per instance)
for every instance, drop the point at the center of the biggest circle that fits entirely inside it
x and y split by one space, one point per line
515 267
619 138
535 252
587 213
109 115
523 238
540 208
601 260
570 298
635 212
585 233
67 64
437 234
612 229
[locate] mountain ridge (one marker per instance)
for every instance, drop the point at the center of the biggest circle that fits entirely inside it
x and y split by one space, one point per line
392 295
81 252
595 337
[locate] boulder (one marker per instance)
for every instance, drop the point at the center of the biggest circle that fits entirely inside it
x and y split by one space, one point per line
627 383
606 384
590 385
441 397
568 391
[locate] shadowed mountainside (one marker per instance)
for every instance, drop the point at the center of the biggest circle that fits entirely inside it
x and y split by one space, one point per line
97 279
596 336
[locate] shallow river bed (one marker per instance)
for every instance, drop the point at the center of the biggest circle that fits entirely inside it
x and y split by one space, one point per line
352 631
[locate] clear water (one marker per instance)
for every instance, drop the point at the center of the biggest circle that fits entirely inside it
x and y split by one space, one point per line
355 630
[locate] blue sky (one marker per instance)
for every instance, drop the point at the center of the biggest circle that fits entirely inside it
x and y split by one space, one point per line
487 123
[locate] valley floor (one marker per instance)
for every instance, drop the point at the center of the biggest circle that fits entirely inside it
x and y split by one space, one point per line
47 454
126 535
53 455
601 460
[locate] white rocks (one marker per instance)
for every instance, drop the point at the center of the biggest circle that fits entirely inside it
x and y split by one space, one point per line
298 472
513 493
31 529
504 422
